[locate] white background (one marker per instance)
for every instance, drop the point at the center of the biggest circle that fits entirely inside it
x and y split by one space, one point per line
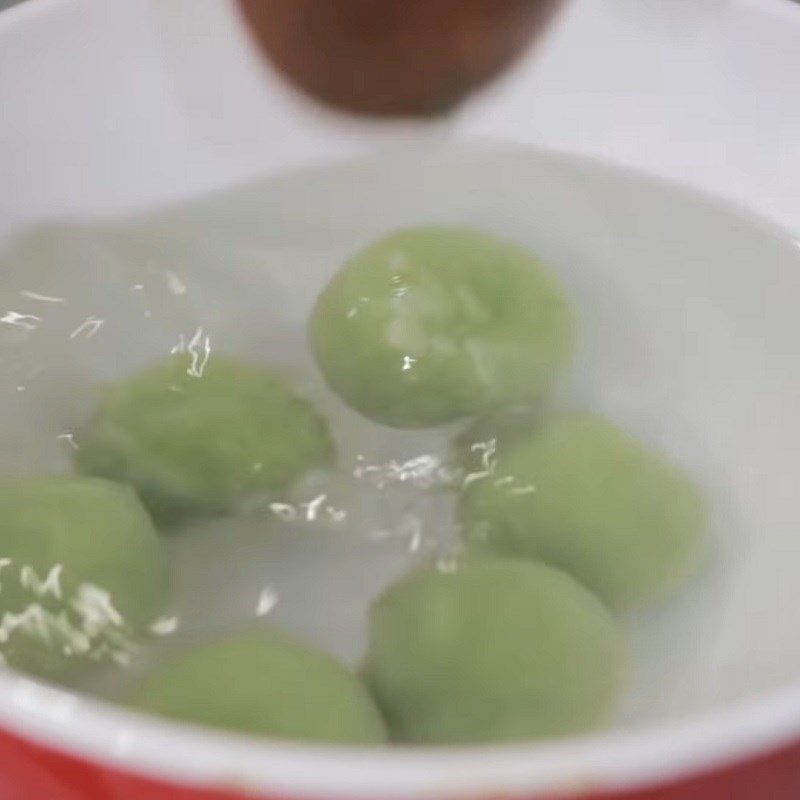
108 106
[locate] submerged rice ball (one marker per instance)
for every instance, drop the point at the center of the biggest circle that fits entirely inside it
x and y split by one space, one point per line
82 572
199 441
432 324
583 495
265 683
494 650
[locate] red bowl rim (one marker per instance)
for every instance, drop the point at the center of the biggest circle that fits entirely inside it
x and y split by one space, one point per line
182 754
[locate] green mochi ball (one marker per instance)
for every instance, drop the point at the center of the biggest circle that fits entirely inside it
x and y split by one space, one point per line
265 683
583 495
495 650
432 324
82 572
195 442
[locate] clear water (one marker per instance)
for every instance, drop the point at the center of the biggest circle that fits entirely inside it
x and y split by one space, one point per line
237 273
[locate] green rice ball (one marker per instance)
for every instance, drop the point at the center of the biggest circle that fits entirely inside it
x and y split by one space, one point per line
82 572
264 683
199 441
494 650
433 324
583 495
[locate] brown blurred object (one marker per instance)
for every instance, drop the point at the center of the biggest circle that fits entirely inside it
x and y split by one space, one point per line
394 57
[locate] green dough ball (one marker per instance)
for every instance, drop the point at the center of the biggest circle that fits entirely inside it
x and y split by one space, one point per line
197 442
265 683
583 495
432 324
82 572
495 650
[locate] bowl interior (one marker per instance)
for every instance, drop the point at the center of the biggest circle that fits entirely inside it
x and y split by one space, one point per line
689 338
